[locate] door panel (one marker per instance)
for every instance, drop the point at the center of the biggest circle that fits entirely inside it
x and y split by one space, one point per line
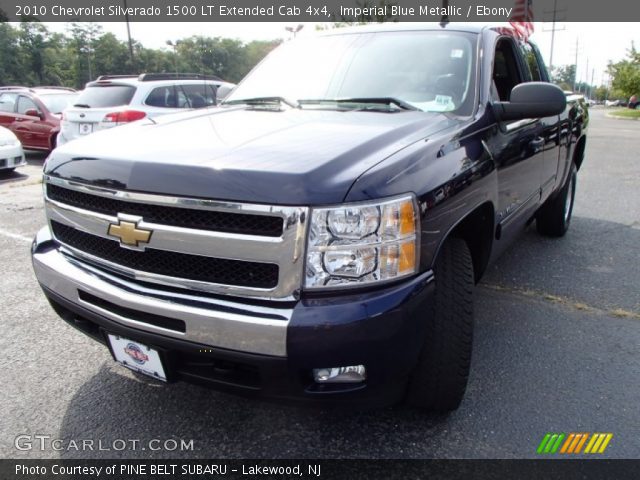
518 150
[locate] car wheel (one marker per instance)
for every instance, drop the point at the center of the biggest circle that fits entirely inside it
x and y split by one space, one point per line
554 217
439 380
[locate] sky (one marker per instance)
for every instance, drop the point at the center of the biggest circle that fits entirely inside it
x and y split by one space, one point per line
598 43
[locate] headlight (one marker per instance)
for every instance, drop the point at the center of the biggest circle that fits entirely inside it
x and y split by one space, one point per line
362 243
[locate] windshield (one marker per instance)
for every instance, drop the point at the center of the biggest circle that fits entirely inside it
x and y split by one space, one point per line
429 70
101 96
57 102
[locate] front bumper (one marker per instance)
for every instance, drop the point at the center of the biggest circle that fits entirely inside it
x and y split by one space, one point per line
11 156
260 348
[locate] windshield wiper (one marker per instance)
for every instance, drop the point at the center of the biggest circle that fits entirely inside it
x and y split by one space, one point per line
401 104
82 105
263 101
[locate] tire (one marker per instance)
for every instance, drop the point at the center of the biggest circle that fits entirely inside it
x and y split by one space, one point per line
440 378
554 217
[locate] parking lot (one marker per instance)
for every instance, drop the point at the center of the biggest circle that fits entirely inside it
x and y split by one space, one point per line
557 349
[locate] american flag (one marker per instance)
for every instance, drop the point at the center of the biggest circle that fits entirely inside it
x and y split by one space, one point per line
522 18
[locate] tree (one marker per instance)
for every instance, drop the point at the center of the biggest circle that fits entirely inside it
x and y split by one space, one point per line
31 55
564 76
110 56
625 74
82 42
11 68
32 39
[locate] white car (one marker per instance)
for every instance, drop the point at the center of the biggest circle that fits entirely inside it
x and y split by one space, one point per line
114 100
11 153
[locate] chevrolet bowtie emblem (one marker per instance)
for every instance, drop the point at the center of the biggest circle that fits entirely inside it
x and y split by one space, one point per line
128 233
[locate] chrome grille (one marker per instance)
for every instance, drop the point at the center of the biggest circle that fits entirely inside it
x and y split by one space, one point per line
194 267
244 224
230 248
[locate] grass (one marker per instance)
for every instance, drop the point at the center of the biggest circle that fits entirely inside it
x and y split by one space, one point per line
625 113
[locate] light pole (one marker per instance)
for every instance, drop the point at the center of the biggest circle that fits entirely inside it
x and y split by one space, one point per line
175 53
294 30
126 16
88 50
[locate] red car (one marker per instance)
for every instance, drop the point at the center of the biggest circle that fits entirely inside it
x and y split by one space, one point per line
33 114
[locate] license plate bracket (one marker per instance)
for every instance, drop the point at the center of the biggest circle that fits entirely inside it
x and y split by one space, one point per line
137 356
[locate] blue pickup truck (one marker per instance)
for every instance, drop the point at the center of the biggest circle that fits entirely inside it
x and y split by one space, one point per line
318 236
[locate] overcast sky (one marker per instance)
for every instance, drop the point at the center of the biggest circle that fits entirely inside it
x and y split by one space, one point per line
597 42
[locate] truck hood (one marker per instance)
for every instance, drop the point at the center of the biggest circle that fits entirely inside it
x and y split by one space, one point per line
302 157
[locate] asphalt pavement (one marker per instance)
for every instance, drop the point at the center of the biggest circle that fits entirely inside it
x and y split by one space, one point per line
557 349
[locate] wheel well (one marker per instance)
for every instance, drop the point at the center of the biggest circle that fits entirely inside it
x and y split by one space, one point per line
578 154
476 229
52 140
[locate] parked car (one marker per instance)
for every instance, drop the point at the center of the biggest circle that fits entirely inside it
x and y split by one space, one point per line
114 100
11 153
33 114
318 236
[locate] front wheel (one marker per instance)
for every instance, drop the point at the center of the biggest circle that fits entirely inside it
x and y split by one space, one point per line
440 378
554 217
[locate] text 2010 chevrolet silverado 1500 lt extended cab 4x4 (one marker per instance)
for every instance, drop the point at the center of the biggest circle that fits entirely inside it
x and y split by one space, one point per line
318 236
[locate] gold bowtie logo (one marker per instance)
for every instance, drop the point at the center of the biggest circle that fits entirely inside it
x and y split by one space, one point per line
128 233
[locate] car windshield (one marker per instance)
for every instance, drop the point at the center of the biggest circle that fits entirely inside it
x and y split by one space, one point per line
103 96
57 102
429 70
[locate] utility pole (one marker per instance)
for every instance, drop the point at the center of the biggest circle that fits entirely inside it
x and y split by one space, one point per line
586 75
593 72
554 19
575 72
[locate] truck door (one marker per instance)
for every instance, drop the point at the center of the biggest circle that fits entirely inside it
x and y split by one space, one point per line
517 147
536 72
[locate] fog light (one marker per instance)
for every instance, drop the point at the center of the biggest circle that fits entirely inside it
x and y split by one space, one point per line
353 374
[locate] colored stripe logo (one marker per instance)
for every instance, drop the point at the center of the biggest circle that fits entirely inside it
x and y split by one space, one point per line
573 443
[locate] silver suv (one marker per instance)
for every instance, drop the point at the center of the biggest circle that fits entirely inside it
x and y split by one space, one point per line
114 100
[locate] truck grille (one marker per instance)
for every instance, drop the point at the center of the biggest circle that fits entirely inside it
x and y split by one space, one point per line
245 224
230 248
173 264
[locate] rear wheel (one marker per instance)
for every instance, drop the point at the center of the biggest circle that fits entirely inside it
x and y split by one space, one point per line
440 378
554 217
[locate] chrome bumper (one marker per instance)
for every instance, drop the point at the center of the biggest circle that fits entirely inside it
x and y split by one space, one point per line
209 321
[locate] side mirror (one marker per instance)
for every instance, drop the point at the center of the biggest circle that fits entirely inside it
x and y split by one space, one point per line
32 112
531 100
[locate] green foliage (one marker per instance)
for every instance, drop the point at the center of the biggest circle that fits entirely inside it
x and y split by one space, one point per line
601 93
626 113
564 76
32 55
626 74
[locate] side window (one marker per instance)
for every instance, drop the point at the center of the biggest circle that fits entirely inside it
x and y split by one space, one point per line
531 60
506 73
199 95
25 104
8 102
163 97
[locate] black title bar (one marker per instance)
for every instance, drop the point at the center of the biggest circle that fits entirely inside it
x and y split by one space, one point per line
317 11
